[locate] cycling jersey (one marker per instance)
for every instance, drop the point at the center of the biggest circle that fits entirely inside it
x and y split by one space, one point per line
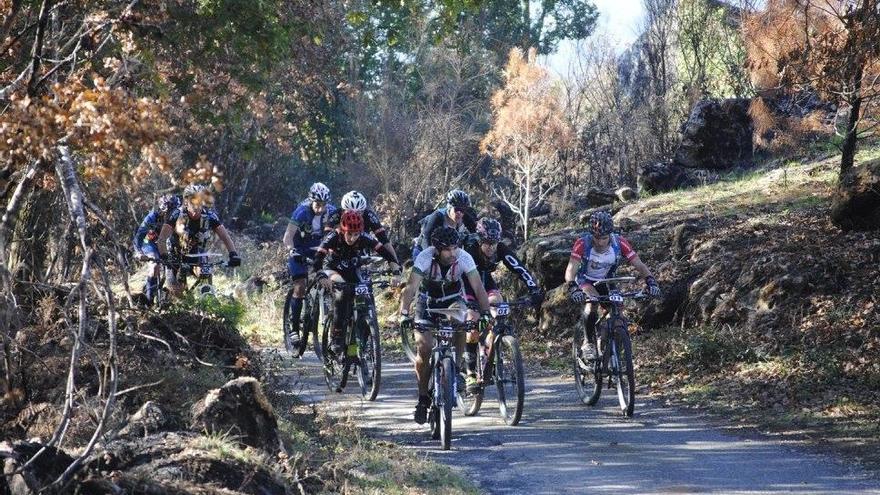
596 266
372 224
438 219
503 254
443 282
337 255
193 234
148 231
310 225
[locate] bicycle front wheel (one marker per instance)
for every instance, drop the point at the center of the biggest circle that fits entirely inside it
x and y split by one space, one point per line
447 398
587 378
287 325
510 380
333 370
622 364
370 375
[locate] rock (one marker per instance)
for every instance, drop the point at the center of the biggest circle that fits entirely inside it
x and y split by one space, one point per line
716 135
660 177
626 194
148 419
856 206
598 197
546 256
240 407
559 314
41 473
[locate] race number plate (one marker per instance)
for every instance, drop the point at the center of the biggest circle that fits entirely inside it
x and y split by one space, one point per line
445 332
615 298
361 290
503 310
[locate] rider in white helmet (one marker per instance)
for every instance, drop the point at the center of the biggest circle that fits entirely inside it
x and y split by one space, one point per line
354 200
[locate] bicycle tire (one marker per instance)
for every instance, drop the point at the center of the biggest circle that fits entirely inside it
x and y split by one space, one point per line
587 378
320 312
332 369
447 368
626 377
287 323
514 375
407 342
370 359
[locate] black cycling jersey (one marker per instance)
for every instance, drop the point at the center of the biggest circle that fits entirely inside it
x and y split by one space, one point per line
503 254
372 224
337 255
438 219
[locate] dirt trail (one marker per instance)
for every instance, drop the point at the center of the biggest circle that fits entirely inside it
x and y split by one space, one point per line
563 447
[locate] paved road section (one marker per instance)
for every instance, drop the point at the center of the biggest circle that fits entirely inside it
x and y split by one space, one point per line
563 447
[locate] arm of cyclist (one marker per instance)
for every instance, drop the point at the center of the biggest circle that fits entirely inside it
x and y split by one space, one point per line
223 234
406 298
510 260
650 282
161 242
577 293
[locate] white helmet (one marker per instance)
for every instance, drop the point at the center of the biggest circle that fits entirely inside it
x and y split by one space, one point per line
193 190
354 200
319 192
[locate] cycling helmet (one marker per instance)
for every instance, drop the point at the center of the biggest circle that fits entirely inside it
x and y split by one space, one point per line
352 221
457 198
354 200
488 230
193 190
166 203
601 223
444 237
319 192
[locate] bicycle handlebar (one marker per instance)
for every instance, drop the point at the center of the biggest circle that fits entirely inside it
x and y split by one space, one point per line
522 301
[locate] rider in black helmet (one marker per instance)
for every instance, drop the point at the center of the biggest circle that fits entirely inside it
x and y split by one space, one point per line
457 214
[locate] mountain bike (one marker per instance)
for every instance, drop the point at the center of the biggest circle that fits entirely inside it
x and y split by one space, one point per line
201 266
313 305
500 362
443 383
363 348
615 358
407 342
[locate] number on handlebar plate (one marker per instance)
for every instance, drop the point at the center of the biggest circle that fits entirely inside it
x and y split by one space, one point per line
445 332
615 298
503 310
361 290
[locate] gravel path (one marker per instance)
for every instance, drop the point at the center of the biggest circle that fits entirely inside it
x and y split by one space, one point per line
563 447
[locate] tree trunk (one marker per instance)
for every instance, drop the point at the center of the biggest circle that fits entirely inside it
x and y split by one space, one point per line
848 151
29 243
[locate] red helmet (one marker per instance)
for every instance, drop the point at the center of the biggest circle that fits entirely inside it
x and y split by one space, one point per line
352 221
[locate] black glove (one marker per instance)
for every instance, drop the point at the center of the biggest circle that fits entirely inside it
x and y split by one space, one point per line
575 293
653 288
234 259
406 322
537 297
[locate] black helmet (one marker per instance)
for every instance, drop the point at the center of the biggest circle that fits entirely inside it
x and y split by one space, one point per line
457 198
488 230
601 223
444 237
167 202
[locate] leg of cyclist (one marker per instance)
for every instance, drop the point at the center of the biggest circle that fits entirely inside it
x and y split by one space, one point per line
342 299
298 271
591 311
150 288
424 342
472 347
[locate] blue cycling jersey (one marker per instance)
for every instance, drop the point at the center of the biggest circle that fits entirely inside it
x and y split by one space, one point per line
310 225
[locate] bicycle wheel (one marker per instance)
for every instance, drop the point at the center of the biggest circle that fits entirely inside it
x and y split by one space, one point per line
447 368
587 377
622 368
407 341
332 369
510 380
370 359
287 323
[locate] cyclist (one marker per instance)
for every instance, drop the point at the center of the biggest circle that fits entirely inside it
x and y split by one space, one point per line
354 200
487 251
303 235
458 213
336 260
144 240
194 223
437 274
595 256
